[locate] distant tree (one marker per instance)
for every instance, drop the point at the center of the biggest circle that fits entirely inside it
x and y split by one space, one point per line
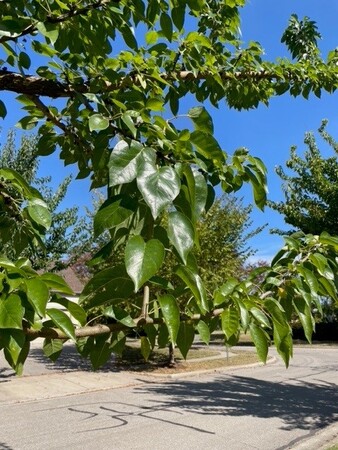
311 193
223 233
67 233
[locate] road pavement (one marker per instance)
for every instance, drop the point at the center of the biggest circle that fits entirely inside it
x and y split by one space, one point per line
261 407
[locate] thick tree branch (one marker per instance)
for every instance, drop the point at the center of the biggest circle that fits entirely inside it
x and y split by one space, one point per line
35 85
96 330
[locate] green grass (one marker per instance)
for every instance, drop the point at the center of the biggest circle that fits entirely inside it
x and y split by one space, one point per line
132 360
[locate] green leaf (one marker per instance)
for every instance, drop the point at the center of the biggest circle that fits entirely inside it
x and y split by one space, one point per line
309 278
159 187
112 213
221 294
328 287
259 188
27 123
49 30
62 321
151 37
118 343
326 238
120 315
56 282
155 104
38 295
143 259
129 37
260 316
145 347
322 265
124 162
185 338
201 193
11 312
230 321
24 60
202 119
3 110
305 316
163 336
194 282
98 122
111 285
244 314
261 341
203 331
100 353
166 26
208 147
52 348
22 358
178 16
171 315
39 212
14 341
75 310
151 332
181 234
130 123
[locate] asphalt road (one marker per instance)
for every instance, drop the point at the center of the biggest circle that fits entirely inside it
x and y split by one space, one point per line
266 408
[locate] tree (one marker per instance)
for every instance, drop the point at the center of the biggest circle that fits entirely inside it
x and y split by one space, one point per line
66 232
223 231
311 195
112 119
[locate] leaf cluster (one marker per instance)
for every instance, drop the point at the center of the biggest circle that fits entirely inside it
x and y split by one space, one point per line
115 94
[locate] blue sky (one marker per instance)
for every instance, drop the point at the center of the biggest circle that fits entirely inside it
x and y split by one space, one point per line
268 132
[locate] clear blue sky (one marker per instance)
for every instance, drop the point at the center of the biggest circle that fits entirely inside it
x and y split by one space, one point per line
266 132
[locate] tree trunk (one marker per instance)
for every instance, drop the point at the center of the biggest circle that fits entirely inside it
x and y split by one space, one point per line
171 359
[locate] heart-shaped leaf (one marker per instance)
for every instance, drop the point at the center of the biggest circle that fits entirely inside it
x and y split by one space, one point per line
98 122
142 259
159 187
124 162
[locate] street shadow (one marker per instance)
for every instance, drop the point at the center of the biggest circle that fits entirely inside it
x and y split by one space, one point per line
4 446
303 405
68 361
5 373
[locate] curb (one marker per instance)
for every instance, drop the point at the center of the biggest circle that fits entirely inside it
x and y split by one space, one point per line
322 440
271 360
56 385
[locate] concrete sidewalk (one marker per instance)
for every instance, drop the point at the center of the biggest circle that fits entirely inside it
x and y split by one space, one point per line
69 375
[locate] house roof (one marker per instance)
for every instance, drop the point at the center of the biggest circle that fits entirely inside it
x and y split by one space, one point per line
71 279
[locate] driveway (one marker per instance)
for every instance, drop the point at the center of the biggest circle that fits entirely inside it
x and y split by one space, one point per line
262 407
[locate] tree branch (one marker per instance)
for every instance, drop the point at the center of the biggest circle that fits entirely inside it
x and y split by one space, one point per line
96 330
47 112
35 85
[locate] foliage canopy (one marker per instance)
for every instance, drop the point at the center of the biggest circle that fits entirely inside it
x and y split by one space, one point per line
311 192
67 230
117 69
